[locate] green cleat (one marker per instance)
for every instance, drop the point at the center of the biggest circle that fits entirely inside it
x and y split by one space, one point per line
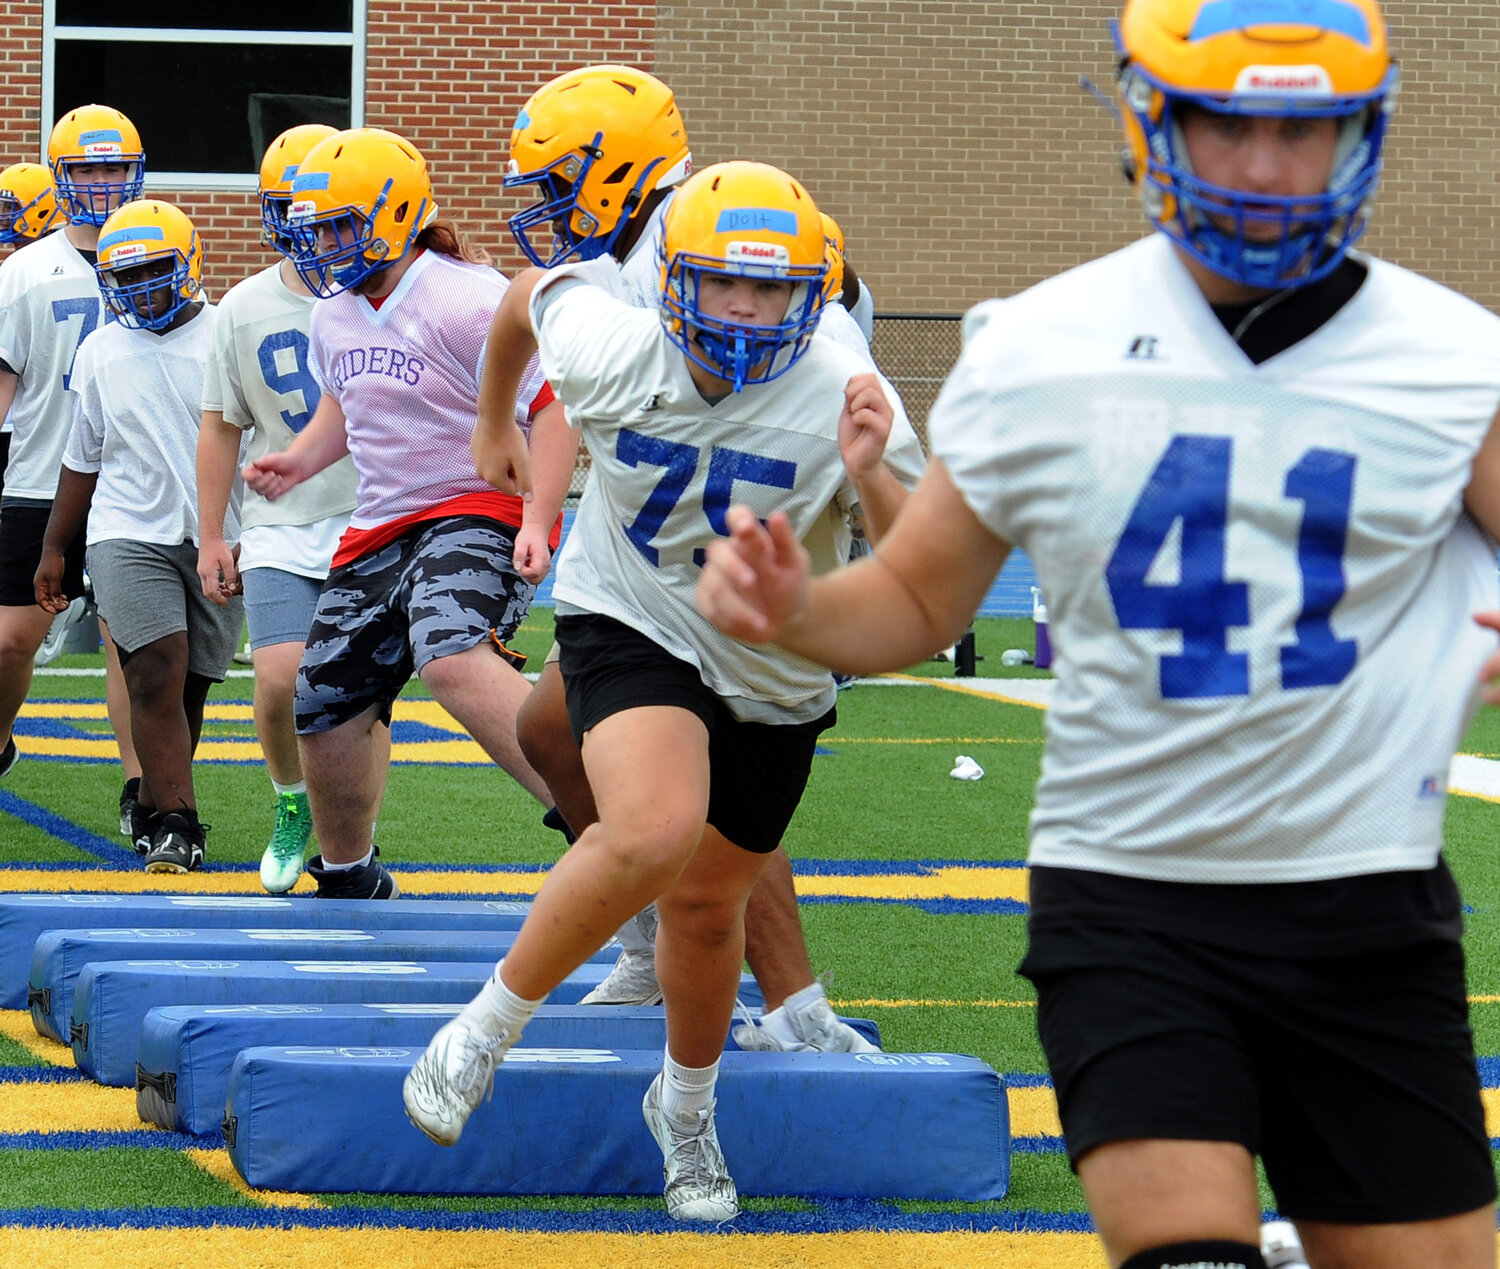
281 865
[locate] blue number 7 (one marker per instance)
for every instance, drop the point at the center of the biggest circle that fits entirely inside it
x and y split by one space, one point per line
725 466
88 310
1190 484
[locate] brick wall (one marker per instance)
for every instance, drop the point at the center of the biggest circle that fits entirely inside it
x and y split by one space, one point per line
950 138
956 147
449 76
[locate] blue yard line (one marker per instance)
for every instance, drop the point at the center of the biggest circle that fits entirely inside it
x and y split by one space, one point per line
79 838
102 1139
40 1075
1015 1079
1037 1145
828 1218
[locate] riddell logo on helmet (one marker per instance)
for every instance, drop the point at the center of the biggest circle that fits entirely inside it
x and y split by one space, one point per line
128 251
757 253
103 150
1294 81
303 210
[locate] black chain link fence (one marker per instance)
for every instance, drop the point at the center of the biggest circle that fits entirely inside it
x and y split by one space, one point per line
915 351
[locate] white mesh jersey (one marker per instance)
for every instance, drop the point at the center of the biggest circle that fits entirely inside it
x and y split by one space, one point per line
406 376
1259 579
139 398
667 467
259 378
49 303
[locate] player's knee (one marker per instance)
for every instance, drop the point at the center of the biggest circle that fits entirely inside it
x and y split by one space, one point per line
1223 1253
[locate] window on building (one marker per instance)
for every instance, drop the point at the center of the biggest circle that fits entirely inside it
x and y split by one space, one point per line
208 86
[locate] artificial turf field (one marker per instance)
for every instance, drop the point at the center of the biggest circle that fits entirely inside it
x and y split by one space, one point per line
913 902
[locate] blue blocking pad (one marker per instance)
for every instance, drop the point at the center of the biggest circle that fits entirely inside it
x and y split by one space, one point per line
23 918
60 954
186 1052
111 998
568 1121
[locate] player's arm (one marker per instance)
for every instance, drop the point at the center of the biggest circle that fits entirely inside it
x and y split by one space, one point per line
75 490
864 429
554 453
1482 501
318 445
218 453
9 381
916 594
500 452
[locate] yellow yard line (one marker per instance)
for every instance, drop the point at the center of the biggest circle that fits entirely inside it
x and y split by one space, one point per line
218 1165
16 1024
221 1248
77 1106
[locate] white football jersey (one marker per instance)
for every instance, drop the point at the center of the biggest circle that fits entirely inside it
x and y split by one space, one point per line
1259 579
258 376
49 303
139 398
667 467
407 378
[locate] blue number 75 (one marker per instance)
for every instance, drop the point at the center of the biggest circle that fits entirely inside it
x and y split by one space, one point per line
1190 484
679 462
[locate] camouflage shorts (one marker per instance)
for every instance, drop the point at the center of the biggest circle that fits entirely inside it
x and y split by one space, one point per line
442 588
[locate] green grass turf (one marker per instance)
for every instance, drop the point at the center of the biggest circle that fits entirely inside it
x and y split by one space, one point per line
866 801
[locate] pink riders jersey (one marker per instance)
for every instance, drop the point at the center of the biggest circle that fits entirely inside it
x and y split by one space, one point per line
406 376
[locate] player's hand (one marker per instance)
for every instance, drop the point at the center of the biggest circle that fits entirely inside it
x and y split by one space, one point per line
48 582
218 573
271 475
501 456
1489 672
865 425
532 556
755 580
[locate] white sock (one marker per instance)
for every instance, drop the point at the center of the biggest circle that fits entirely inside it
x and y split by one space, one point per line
358 863
687 1089
299 787
777 1025
498 1011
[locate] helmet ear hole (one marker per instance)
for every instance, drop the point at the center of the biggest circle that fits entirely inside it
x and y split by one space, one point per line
399 215
1127 164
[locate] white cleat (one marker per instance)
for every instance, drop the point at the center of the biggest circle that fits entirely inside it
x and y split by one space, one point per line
632 981
449 1081
698 1184
1281 1246
811 1028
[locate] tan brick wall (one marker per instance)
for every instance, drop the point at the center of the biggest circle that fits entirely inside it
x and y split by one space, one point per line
956 147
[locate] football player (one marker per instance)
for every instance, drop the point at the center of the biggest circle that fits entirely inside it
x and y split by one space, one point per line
724 386
259 381
424 578
1259 477
581 140
129 472
49 303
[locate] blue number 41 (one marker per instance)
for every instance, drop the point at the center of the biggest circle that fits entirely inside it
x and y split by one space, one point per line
1190 485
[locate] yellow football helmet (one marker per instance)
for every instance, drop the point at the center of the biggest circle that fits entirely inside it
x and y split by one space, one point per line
276 171
28 203
833 247
359 200
744 220
90 136
1312 59
595 141
150 263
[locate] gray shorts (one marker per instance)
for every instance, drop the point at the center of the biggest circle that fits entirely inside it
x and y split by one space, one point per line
146 592
443 587
279 606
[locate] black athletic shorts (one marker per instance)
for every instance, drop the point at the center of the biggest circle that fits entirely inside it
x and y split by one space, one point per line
1352 1076
757 771
23 526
